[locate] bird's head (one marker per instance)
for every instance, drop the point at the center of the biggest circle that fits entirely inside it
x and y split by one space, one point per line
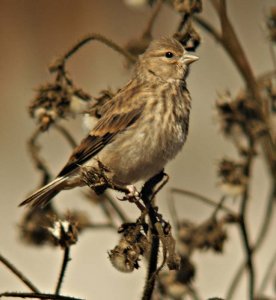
167 59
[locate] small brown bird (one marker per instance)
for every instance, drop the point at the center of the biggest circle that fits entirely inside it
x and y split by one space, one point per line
142 127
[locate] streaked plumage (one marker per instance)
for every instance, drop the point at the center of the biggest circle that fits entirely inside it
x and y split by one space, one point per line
143 127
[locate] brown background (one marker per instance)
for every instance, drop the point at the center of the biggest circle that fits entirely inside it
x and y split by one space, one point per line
32 33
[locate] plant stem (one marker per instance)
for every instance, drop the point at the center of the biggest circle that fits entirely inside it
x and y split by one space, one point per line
271 267
146 195
17 273
94 36
203 199
259 241
65 261
37 296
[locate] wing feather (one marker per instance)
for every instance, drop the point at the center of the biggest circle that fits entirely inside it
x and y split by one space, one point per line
113 122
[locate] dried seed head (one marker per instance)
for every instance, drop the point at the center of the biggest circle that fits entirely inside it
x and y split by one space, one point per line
189 38
187 6
240 117
271 23
55 101
64 233
33 227
186 233
232 177
133 244
80 219
170 287
210 235
187 271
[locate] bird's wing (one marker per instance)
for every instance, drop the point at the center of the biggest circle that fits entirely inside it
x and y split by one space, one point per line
116 119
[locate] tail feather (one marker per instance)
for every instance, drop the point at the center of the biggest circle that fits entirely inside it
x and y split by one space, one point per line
44 195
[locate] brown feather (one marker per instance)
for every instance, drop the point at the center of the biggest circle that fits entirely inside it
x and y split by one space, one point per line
101 135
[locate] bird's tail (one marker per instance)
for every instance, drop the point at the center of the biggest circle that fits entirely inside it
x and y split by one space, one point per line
44 195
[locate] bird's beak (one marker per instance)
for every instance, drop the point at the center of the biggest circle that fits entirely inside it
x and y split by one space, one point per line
189 58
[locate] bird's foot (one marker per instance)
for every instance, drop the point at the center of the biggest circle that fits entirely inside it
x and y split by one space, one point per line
131 194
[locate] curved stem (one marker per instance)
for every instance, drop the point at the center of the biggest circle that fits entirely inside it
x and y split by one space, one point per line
259 241
40 164
66 259
17 273
67 135
94 36
203 199
271 267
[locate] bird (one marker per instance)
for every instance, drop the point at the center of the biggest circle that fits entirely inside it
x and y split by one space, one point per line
141 128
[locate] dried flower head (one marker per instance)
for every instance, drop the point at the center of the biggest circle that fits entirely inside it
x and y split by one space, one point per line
133 244
187 6
175 284
55 101
80 219
271 23
64 233
210 235
188 37
186 272
33 227
186 232
232 177
240 117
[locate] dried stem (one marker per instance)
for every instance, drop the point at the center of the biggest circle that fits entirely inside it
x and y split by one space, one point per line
67 135
39 162
155 12
17 273
146 195
267 276
37 296
203 199
259 241
59 64
66 259
243 225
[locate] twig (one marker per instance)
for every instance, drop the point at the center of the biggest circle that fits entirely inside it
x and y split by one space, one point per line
259 241
208 27
38 296
147 31
271 267
40 164
203 199
71 141
17 273
59 64
243 225
146 194
66 259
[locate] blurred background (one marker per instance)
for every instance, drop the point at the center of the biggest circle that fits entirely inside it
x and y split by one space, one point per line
32 34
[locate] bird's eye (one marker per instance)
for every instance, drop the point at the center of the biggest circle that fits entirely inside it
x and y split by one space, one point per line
169 54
